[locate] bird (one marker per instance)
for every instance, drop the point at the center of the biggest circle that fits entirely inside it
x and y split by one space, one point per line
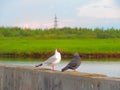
51 61
74 64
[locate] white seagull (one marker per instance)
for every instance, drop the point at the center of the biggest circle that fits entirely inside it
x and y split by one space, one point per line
51 61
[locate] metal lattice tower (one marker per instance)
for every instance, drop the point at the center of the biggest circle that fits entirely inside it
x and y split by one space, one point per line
55 22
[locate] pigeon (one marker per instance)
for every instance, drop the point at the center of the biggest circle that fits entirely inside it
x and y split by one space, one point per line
51 61
74 64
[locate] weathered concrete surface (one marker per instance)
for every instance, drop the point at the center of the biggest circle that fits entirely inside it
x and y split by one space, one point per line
31 78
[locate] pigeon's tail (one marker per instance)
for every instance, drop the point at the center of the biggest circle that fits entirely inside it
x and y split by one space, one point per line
39 65
65 68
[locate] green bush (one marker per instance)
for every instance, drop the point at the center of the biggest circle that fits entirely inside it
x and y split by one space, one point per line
60 33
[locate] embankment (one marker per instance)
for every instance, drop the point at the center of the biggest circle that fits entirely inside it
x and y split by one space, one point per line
64 55
31 78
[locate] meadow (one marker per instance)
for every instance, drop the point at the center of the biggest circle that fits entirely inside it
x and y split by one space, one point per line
29 45
21 42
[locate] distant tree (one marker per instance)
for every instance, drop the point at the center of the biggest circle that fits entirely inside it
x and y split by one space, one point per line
60 33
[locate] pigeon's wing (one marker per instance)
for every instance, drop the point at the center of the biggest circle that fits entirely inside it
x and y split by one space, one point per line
74 63
70 65
50 60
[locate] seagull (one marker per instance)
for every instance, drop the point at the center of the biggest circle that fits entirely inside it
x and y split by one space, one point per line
51 61
74 64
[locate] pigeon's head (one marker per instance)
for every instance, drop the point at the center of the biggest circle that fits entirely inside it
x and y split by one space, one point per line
76 55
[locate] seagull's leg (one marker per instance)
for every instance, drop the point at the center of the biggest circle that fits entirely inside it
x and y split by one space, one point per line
75 70
52 67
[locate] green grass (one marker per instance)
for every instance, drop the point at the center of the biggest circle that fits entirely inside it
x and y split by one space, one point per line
68 45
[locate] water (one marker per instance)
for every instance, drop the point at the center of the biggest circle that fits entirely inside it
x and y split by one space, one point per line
111 69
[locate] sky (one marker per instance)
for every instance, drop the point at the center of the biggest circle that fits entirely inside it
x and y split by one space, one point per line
70 13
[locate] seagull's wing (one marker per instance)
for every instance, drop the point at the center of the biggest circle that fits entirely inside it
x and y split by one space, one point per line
50 60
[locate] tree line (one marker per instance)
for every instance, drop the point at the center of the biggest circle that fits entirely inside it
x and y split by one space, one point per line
60 33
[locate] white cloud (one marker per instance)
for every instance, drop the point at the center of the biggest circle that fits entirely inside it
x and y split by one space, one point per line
28 25
100 9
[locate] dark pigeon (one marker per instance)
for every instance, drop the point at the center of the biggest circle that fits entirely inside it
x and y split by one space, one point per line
74 64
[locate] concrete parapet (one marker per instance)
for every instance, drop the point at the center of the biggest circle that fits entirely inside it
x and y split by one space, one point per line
31 78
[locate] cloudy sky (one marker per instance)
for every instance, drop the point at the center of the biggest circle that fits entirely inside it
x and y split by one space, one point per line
70 13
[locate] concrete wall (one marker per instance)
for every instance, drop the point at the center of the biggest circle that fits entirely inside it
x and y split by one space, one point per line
30 78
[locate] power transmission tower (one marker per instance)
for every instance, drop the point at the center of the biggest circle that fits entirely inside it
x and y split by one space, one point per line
55 22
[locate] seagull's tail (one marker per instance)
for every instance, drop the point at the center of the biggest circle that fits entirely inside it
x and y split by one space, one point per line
65 68
39 65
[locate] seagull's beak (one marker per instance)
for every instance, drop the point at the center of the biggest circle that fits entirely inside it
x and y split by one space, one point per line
59 50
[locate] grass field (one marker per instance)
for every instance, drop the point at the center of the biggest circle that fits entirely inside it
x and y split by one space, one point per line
67 45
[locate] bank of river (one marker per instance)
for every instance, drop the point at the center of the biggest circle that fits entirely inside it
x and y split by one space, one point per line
64 55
